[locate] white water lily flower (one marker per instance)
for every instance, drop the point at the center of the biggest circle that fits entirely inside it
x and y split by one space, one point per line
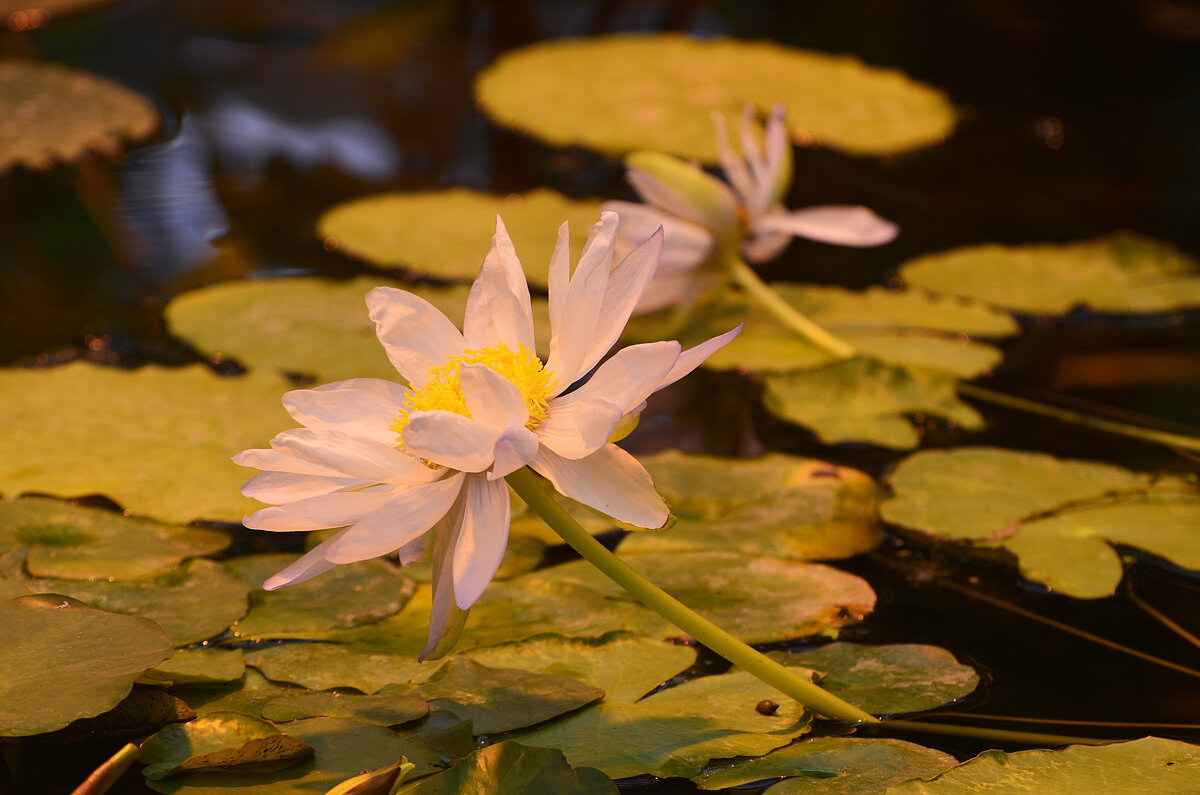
400 468
700 212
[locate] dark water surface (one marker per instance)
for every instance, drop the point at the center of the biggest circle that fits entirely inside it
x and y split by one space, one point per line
1079 119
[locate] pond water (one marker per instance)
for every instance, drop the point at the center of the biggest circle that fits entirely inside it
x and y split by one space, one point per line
1079 119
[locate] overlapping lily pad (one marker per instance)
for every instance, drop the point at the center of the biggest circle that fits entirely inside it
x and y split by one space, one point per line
777 504
220 741
1123 273
203 667
156 440
246 695
445 234
386 709
1150 764
1060 517
623 92
509 768
54 114
64 660
324 666
78 543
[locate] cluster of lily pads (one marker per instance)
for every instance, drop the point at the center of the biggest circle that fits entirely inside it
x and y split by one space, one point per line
146 624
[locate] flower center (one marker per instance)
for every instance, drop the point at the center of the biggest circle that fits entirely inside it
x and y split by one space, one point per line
443 391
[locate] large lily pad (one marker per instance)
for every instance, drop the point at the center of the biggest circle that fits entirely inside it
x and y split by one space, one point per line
323 666
446 234
78 543
777 504
624 92
64 660
386 709
157 440
832 766
1119 273
758 599
862 400
1060 517
246 695
221 741
509 768
54 114
202 667
1148 765
675 732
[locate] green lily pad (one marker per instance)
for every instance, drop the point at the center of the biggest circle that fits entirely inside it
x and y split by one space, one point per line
832 766
156 440
1150 764
675 732
1124 273
529 524
757 599
203 667
223 741
64 660
246 695
197 602
862 400
445 234
386 709
1060 517
500 699
625 667
324 666
887 680
777 504
54 114
523 552
346 596
509 768
78 543
618 93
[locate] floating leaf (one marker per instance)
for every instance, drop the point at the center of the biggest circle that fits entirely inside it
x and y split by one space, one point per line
144 711
79 543
861 400
500 699
625 667
1150 764
1058 516
509 768
758 599
247 695
64 660
832 766
622 92
199 668
54 114
675 732
777 504
197 602
157 440
386 709
323 666
446 233
224 741
346 596
1118 273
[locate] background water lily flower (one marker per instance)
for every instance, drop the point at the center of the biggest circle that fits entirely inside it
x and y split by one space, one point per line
401 469
702 215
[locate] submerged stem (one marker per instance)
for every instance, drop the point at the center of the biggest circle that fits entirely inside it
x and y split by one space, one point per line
530 488
745 277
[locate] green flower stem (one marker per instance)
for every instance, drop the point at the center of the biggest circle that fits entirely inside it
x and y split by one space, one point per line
1002 735
530 488
745 277
103 777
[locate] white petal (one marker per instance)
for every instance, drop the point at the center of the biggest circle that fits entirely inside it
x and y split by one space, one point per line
406 516
631 375
778 158
451 440
275 461
414 333
491 398
694 357
515 448
559 278
841 225
719 209
361 407
625 287
481 542
734 166
609 480
577 426
571 337
277 488
311 564
498 310
685 244
765 246
318 513
352 456
671 288
446 621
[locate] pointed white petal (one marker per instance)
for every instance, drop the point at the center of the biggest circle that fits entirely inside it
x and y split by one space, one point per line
277 488
841 225
481 542
414 333
734 166
318 513
308 566
626 285
360 407
559 278
491 398
630 376
351 456
694 357
498 309
406 516
578 425
451 440
779 157
275 461
446 620
570 339
515 448
685 244
609 480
